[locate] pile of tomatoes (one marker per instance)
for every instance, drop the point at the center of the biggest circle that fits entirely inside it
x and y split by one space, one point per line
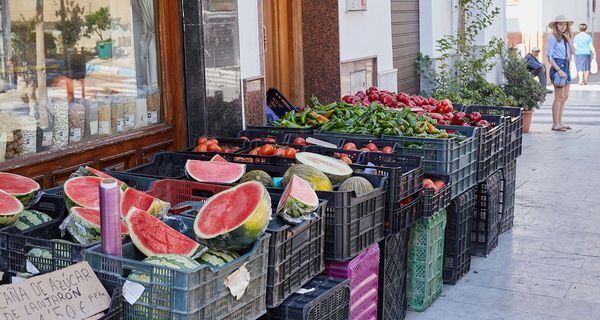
205 144
370 147
435 185
274 150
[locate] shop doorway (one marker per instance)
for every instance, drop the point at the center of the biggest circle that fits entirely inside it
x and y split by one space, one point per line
283 58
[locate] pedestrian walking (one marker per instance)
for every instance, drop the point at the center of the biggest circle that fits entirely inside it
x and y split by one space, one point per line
560 52
536 68
584 53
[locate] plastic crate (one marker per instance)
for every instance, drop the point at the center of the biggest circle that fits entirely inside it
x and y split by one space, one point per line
434 201
457 252
363 273
333 140
491 146
281 160
115 311
355 156
507 196
513 129
329 299
485 218
14 243
295 252
391 296
457 159
260 133
404 213
190 294
278 103
132 181
425 261
224 142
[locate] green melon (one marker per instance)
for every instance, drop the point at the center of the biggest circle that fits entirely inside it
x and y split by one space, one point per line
31 218
217 258
317 179
359 185
336 170
258 175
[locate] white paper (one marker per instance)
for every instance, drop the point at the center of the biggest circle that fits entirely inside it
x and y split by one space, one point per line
238 281
305 291
370 170
130 120
31 268
321 143
47 139
93 127
132 291
16 280
75 134
104 127
152 117
120 125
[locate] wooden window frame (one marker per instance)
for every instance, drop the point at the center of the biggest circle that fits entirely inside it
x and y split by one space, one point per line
172 132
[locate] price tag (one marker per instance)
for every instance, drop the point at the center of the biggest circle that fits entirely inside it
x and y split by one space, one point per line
152 117
130 120
120 125
238 281
104 127
47 139
16 280
93 128
75 134
321 143
132 291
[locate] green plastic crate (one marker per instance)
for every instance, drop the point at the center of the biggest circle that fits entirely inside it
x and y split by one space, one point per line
425 261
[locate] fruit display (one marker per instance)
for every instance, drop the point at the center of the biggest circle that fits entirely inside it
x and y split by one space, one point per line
134 198
298 200
89 171
10 208
205 144
258 175
22 188
82 192
235 218
217 258
274 150
359 185
84 225
473 119
435 185
367 147
397 100
152 236
31 218
266 139
336 170
317 179
214 171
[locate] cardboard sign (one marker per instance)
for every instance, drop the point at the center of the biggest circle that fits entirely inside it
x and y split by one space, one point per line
71 293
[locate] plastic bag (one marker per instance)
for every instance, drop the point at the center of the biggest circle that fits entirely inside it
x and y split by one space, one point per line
594 67
573 70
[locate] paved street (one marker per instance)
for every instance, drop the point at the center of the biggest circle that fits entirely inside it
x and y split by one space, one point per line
548 266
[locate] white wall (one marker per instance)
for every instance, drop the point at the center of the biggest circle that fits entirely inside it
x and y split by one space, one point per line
497 30
437 19
369 33
248 14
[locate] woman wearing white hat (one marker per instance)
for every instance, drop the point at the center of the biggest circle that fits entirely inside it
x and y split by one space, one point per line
560 51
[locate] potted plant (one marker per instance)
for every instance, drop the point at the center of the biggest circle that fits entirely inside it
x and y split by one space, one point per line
518 83
96 23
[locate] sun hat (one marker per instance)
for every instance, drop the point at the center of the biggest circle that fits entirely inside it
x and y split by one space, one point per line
560 18
535 48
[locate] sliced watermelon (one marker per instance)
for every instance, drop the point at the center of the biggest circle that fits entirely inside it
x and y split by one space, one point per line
134 198
218 158
22 188
84 225
298 199
82 192
235 218
152 236
10 208
100 174
215 171
335 169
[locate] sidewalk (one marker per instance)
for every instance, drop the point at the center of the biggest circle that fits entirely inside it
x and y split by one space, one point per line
548 266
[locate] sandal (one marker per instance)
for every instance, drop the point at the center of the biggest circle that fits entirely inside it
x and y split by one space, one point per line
565 127
559 129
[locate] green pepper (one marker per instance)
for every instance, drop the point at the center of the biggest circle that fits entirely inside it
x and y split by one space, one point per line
290 124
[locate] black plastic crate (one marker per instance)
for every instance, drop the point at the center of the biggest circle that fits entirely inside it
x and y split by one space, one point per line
115 311
346 135
260 133
333 140
328 300
363 142
485 230
404 213
355 156
405 174
279 103
391 296
223 142
457 248
434 201
513 129
491 146
507 196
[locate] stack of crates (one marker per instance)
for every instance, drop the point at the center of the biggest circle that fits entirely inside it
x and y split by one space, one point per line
392 276
507 196
485 230
457 248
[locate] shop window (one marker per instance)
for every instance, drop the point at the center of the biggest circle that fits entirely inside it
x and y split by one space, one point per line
92 75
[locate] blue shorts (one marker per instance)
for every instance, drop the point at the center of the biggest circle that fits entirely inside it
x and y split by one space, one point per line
582 62
564 66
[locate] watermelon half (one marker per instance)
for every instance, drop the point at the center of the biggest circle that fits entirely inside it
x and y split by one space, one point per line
134 198
95 172
84 225
298 199
153 237
22 188
82 192
335 169
215 171
10 208
235 218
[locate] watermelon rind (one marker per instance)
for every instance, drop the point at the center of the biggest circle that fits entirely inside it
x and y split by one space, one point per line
246 232
158 208
31 218
7 218
82 230
336 170
168 236
212 166
40 258
317 179
27 197
217 258
71 200
258 175
292 207
88 171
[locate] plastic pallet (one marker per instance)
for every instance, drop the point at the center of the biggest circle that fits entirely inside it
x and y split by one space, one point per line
391 296
457 248
507 196
485 230
190 294
363 273
425 261
434 201
491 145
329 299
295 252
513 129
279 103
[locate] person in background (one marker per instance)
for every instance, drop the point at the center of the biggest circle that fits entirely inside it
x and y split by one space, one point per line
560 53
536 68
584 53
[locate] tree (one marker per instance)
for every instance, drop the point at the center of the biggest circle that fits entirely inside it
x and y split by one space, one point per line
71 22
97 22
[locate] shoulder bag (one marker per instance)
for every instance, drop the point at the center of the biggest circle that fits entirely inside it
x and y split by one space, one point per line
557 80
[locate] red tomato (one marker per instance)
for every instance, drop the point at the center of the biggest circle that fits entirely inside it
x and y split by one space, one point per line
346 159
267 150
349 146
388 149
371 146
290 153
439 184
257 149
214 148
279 152
428 184
300 141
365 149
253 152
202 140
269 139
226 150
212 141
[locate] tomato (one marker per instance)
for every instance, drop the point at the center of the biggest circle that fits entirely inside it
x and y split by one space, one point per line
346 159
290 153
428 184
439 184
349 146
371 146
235 149
269 139
267 150
253 152
226 150
201 148
214 148
407 201
279 152
365 149
202 140
388 149
244 138
300 141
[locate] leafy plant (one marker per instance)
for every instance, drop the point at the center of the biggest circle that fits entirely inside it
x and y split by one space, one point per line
97 22
70 22
519 83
